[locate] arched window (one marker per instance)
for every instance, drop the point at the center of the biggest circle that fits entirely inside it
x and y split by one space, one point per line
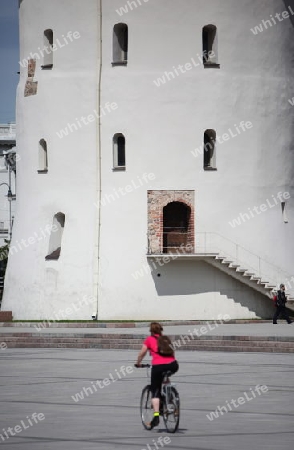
210 46
48 52
176 220
43 157
119 151
120 44
209 153
56 236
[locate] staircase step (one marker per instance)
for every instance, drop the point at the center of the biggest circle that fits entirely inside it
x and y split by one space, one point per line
134 342
248 277
211 346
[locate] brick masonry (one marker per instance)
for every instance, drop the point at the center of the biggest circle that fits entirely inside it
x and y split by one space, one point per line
5 316
157 200
31 86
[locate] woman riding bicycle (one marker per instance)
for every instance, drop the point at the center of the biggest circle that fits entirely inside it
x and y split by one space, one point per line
160 365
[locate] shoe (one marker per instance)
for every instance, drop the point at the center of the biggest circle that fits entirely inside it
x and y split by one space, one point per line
275 323
154 422
290 322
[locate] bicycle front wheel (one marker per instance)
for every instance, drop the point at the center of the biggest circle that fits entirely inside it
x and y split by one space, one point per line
171 410
146 409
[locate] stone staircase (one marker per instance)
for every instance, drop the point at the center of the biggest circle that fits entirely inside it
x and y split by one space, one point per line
245 276
243 265
273 344
237 262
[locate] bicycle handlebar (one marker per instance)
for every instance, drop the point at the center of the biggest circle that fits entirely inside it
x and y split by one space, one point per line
142 366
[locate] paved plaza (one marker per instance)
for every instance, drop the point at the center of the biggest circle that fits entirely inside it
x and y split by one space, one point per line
105 414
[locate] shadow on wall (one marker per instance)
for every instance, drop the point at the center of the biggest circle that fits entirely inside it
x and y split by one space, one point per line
192 278
290 60
287 4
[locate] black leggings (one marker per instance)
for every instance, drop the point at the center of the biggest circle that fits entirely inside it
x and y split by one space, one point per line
157 376
281 310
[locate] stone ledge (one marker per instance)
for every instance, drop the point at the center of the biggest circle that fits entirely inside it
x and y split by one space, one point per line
47 323
215 347
275 344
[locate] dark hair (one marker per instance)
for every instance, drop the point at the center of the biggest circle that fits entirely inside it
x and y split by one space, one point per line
155 328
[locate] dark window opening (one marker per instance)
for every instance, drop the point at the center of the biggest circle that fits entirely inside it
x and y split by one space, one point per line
48 52
209 46
119 151
120 43
209 156
43 157
56 237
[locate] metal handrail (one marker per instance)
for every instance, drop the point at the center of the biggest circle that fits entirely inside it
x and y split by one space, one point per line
240 246
261 267
260 262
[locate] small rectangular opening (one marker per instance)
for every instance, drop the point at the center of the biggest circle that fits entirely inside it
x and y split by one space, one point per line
48 52
284 213
209 151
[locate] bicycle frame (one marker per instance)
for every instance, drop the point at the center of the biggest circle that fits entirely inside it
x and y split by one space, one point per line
166 389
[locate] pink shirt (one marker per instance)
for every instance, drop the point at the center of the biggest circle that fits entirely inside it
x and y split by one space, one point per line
151 344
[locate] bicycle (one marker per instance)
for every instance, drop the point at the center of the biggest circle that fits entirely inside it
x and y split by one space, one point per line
169 404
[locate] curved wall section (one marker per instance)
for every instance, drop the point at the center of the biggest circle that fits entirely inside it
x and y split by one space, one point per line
167 100
36 287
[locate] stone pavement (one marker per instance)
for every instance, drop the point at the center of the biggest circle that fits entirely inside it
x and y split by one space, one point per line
47 381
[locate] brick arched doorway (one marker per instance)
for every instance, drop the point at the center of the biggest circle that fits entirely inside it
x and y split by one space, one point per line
170 221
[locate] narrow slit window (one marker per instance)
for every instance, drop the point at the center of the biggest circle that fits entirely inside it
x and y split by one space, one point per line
48 52
119 151
56 237
43 157
210 46
120 44
209 153
284 213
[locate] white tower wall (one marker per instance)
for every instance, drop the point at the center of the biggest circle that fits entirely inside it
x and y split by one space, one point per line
162 126
252 84
36 288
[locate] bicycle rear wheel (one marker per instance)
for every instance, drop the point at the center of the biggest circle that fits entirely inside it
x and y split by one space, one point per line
146 409
171 409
